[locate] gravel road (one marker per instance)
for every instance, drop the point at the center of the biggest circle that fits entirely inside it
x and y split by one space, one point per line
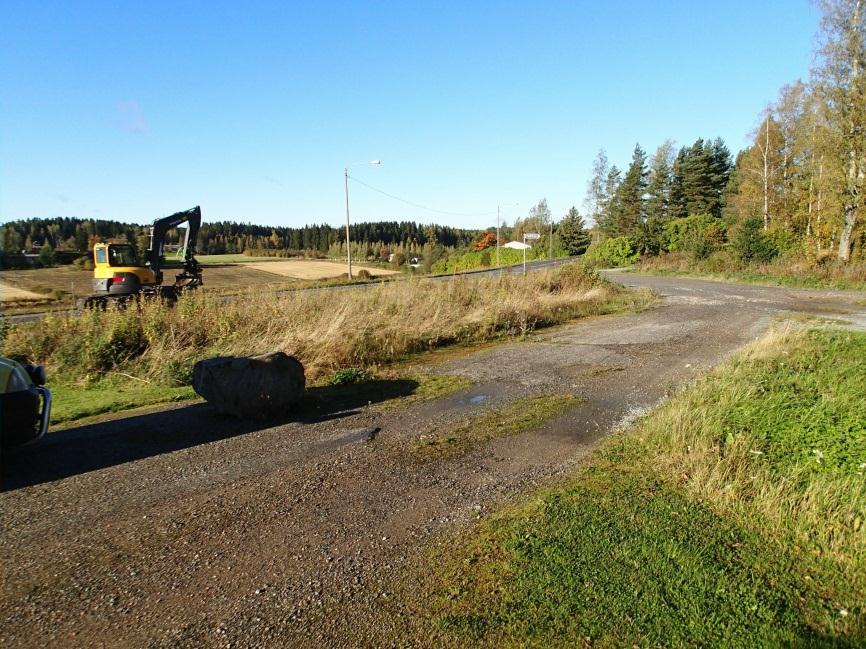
180 529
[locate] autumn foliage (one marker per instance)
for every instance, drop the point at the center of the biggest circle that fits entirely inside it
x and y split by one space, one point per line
487 239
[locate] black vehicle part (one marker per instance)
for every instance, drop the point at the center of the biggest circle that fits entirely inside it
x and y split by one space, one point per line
124 284
21 419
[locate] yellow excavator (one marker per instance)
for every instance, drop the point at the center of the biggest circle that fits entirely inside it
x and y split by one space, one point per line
118 276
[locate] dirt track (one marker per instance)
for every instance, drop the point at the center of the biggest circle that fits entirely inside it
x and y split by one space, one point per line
181 529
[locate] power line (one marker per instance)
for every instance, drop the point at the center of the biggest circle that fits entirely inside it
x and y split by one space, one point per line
418 205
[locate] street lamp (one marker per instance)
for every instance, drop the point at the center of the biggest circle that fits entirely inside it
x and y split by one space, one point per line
346 180
497 229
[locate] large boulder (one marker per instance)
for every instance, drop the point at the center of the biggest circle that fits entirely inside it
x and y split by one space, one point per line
250 386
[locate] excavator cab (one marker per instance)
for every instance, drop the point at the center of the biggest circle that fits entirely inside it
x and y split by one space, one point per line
116 270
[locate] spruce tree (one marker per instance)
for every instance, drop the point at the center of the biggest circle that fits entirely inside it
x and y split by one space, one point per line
630 195
721 172
678 208
572 233
698 177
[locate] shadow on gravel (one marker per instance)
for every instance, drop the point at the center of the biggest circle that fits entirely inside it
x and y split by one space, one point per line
96 446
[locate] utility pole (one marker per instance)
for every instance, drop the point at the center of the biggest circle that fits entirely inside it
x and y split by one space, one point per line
497 236
348 241
528 236
498 206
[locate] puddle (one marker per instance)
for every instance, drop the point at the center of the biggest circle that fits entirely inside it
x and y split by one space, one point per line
478 398
360 435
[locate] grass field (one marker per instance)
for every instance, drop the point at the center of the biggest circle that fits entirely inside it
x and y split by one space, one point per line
64 279
731 517
10 293
233 259
315 269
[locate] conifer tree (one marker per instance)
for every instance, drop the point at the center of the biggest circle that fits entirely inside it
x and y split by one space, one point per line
659 184
678 207
572 232
630 195
721 171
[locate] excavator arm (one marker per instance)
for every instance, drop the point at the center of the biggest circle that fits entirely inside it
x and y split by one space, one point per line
191 275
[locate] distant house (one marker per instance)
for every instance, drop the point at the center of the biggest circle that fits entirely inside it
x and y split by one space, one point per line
517 245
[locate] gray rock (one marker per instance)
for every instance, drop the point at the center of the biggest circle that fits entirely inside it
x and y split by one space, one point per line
250 386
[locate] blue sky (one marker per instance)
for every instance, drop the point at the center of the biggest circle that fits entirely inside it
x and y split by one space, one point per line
135 110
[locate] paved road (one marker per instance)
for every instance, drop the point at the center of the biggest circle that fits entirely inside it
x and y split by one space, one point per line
179 529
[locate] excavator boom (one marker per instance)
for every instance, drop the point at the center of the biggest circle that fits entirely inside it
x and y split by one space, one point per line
191 275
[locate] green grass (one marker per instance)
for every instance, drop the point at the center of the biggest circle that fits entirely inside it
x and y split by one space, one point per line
71 403
621 559
525 413
430 387
712 523
806 411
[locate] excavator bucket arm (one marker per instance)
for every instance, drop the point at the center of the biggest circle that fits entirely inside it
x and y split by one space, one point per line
191 275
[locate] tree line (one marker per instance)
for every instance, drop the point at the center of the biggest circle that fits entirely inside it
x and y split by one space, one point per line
799 188
68 234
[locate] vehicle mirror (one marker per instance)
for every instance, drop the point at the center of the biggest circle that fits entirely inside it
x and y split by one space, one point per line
37 373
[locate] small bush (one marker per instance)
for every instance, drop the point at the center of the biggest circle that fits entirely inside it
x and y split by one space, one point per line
124 342
364 274
752 244
616 251
700 235
485 258
46 255
349 376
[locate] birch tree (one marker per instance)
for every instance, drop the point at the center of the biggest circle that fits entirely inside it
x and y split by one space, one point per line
840 78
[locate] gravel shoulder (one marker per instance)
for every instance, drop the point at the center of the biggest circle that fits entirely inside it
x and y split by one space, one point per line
180 529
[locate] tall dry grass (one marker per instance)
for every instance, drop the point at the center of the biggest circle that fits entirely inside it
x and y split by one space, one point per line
326 329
